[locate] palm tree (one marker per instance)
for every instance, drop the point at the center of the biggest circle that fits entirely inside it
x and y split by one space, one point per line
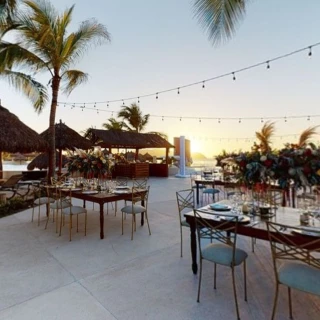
44 44
113 124
265 135
220 18
133 115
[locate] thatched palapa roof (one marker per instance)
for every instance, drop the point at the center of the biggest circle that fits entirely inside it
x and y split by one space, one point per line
15 136
129 139
67 138
41 161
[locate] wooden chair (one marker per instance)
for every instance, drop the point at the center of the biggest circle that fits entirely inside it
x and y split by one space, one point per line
223 251
296 263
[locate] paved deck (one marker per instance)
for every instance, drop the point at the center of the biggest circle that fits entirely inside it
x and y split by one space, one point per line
43 276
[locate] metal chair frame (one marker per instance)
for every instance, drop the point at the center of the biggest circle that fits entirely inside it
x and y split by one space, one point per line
284 248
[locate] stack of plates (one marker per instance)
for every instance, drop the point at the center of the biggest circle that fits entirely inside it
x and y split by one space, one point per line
219 207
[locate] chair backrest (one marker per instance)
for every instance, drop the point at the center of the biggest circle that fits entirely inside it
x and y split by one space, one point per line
122 181
286 247
139 194
12 181
222 229
185 200
140 183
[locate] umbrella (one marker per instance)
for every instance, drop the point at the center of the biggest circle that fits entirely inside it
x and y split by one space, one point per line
41 161
67 138
15 136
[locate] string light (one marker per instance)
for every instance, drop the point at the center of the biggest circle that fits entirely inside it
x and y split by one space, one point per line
199 119
268 64
308 118
203 85
239 120
285 119
261 120
215 77
219 121
162 118
94 105
157 95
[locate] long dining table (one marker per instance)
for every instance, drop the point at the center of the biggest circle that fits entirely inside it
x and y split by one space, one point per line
254 228
101 198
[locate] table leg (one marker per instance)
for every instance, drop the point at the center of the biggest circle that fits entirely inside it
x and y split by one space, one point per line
101 222
197 192
142 214
193 244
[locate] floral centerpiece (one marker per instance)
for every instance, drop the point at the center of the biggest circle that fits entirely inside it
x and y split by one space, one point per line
91 164
295 163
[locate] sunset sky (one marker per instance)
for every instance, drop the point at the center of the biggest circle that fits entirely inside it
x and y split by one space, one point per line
158 45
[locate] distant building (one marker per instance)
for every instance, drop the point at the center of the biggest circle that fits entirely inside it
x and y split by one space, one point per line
176 142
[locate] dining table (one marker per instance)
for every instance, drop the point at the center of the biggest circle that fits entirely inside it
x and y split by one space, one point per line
254 225
102 197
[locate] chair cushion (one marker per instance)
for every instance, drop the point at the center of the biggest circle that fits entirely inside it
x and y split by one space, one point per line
133 209
43 200
60 204
74 210
222 254
300 276
211 190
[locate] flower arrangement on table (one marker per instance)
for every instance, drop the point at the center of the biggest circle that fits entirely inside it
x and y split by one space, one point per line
91 164
300 166
295 163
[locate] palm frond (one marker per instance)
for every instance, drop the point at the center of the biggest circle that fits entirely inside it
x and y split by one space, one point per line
71 79
34 90
7 11
306 136
219 18
113 124
265 135
77 43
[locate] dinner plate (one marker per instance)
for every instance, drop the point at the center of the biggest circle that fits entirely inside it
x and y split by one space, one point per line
241 218
219 207
90 192
121 191
308 231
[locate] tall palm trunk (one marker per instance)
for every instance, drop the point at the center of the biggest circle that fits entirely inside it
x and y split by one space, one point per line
52 120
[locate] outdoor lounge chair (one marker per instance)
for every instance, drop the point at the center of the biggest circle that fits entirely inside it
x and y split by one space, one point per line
12 185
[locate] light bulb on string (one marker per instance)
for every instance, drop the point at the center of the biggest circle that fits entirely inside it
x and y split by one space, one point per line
123 102
261 120
138 99
310 52
180 118
157 95
308 118
239 120
285 119
234 76
64 105
97 111
178 91
200 120
162 118
108 104
203 85
268 64
94 105
219 121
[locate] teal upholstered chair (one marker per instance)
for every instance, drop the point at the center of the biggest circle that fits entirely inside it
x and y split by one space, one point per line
296 263
210 192
222 251
136 207
185 201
